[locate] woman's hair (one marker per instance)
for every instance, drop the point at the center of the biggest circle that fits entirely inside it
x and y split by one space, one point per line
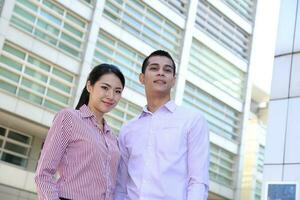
95 75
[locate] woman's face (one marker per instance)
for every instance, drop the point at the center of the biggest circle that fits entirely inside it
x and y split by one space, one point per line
105 93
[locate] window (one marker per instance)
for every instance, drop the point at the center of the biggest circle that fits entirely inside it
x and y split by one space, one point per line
14 147
211 67
179 6
260 159
122 113
222 29
34 79
223 120
258 187
1 5
50 22
221 165
245 8
145 23
110 50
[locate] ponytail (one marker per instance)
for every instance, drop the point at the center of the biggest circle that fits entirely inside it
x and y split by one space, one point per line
84 98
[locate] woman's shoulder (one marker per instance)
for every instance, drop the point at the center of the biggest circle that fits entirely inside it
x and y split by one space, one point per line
68 113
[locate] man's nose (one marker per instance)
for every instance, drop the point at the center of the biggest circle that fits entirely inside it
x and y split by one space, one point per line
161 72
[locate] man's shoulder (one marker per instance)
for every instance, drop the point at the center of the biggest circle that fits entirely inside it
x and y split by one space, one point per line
188 112
130 123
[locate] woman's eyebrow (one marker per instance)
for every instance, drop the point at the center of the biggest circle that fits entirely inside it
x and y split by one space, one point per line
108 85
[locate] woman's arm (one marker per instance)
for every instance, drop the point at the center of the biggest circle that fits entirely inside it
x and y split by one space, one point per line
51 155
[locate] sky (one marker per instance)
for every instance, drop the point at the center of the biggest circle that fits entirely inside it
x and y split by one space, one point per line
263 49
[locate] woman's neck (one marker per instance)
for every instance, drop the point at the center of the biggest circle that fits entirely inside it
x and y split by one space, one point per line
97 114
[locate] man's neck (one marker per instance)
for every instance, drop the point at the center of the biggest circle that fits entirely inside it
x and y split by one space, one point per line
153 103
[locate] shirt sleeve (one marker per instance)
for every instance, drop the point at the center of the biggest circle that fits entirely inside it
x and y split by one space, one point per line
122 176
198 159
51 155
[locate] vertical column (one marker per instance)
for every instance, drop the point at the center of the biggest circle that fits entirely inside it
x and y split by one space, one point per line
90 47
5 14
186 46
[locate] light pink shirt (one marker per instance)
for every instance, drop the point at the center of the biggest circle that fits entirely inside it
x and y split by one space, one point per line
164 156
86 158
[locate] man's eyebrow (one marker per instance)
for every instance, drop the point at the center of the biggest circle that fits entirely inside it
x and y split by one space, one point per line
153 64
169 66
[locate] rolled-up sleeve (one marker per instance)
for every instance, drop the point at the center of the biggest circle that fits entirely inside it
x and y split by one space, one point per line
51 155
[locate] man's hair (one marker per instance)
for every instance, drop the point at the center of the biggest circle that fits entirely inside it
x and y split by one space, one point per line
158 53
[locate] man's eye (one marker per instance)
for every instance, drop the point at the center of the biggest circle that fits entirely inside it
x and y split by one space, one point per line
153 68
118 91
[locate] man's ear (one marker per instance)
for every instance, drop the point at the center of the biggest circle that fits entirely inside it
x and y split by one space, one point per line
142 78
174 81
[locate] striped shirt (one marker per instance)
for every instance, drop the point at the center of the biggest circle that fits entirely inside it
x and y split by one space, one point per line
85 158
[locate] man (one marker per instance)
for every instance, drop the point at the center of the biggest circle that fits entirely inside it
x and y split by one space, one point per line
164 150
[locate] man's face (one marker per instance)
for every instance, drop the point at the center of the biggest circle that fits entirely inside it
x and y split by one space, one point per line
159 75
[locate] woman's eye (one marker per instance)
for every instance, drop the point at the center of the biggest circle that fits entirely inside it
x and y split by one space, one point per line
104 87
118 91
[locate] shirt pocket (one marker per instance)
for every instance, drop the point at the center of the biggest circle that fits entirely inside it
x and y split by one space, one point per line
170 139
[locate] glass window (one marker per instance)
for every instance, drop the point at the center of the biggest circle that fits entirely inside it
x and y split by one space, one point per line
54 24
31 78
2 131
223 174
123 112
209 66
179 6
215 111
13 159
111 50
14 147
8 87
245 8
145 23
19 137
9 75
34 86
14 51
30 96
9 62
222 29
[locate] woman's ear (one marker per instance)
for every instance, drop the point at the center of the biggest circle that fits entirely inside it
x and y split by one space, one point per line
88 86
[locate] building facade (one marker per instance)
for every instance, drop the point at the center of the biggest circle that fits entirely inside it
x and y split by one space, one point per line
48 47
255 135
282 160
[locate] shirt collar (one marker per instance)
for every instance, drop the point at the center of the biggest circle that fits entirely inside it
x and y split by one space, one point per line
87 113
170 106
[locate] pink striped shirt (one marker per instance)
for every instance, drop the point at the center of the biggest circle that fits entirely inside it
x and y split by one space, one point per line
85 158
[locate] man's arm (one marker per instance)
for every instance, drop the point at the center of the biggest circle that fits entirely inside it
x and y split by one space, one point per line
122 176
198 159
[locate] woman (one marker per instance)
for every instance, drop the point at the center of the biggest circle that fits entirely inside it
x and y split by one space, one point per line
80 145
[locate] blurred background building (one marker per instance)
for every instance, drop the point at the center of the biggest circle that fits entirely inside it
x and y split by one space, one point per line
48 47
282 161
